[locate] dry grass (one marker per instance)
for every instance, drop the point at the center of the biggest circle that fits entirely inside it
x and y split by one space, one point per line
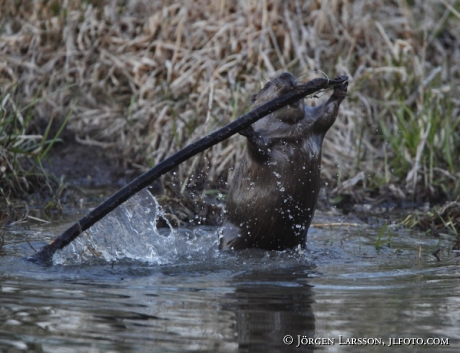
440 220
153 76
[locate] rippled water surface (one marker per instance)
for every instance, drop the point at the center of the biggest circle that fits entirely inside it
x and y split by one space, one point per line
175 292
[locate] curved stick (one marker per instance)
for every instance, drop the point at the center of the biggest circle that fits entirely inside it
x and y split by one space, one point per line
45 255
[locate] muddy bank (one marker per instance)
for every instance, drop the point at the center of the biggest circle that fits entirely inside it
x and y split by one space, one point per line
94 173
89 166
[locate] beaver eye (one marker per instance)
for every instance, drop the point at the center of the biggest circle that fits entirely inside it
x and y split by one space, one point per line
253 98
267 86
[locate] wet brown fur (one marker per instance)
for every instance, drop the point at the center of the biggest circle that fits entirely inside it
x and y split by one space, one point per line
273 195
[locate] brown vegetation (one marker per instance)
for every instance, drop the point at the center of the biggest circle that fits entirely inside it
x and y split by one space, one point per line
145 78
440 220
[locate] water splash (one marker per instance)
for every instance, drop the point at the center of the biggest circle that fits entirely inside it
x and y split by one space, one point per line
130 232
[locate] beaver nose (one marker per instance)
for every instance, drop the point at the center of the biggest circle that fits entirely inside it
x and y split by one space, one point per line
285 76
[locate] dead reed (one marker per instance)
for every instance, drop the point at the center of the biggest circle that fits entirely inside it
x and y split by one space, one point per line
153 76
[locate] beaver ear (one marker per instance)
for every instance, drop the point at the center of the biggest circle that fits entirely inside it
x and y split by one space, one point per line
253 98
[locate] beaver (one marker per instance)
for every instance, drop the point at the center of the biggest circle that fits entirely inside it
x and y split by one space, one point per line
273 194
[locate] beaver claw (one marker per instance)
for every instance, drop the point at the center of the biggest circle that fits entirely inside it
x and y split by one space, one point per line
341 87
248 132
339 80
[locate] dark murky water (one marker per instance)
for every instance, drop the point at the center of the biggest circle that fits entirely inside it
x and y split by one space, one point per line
178 293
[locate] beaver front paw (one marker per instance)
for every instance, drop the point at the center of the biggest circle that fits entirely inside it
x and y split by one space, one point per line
341 89
248 132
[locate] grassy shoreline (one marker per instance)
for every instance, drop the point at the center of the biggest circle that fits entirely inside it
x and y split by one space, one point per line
146 78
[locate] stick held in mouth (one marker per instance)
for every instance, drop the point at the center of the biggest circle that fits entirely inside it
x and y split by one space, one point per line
45 255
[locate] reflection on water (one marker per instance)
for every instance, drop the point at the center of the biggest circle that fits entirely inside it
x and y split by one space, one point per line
185 295
270 306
